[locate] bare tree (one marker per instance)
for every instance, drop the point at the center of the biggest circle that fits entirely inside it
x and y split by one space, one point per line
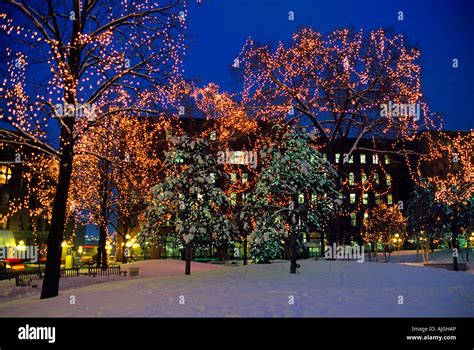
82 54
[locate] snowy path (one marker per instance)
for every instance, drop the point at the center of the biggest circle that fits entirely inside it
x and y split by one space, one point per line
323 288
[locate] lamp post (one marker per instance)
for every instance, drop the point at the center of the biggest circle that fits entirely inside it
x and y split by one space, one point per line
397 241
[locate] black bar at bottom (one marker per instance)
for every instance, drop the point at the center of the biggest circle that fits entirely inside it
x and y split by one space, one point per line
312 333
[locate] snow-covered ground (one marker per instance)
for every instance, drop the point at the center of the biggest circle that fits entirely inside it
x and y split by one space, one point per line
322 288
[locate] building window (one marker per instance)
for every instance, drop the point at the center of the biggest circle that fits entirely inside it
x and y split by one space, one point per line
363 178
238 157
375 159
5 174
213 135
233 177
365 199
325 156
352 198
233 199
387 159
351 159
377 199
389 199
245 178
351 179
5 198
301 198
353 220
388 180
376 178
338 156
362 159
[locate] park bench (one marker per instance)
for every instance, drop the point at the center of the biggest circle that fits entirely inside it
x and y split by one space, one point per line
109 271
24 278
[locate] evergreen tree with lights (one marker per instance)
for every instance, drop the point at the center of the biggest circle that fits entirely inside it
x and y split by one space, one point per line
188 199
295 190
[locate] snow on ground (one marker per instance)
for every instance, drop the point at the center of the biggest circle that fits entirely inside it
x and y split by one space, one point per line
148 268
322 288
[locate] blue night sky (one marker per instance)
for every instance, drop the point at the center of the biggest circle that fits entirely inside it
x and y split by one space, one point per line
442 29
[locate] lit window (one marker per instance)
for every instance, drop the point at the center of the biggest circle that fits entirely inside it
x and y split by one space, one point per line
375 159
245 178
301 198
213 135
387 159
233 177
362 159
377 199
351 179
389 199
388 180
365 199
376 178
353 219
233 199
5 174
363 178
238 157
352 198
351 159
366 216
325 156
338 156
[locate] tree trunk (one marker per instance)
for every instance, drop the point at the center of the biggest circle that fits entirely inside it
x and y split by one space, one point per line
293 264
322 244
426 250
50 286
188 257
101 251
332 235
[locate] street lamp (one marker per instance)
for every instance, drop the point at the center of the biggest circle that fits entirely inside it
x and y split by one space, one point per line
397 242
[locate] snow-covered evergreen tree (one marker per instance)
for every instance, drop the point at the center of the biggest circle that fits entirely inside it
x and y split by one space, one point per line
189 199
295 190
